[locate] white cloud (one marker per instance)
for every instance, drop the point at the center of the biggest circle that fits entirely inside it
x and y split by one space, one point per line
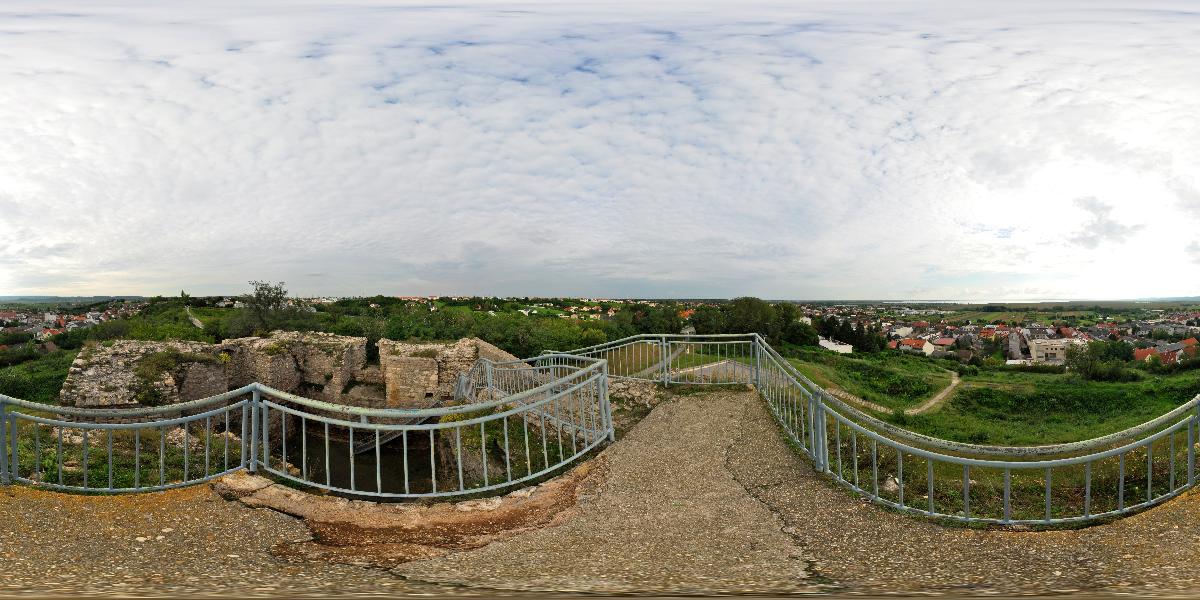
812 151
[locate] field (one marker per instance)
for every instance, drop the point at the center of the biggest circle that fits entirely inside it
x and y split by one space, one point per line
37 380
998 406
1022 316
891 380
1012 408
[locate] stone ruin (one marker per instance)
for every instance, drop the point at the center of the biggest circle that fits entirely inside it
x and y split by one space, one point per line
322 366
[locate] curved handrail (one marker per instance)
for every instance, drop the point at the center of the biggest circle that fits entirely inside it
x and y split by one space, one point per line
358 411
108 413
986 449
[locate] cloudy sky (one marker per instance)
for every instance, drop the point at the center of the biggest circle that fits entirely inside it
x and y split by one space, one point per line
808 150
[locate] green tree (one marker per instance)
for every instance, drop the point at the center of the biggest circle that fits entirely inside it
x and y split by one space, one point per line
752 315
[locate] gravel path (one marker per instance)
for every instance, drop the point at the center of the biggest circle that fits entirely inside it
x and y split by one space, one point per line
180 542
702 497
669 518
865 549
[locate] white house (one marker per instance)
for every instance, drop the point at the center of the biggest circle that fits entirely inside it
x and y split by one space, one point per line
838 347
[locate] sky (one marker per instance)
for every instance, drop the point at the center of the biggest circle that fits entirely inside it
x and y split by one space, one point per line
808 150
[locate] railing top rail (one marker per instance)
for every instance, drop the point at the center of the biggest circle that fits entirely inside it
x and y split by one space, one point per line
595 369
659 336
596 366
411 426
128 412
966 448
526 361
1005 464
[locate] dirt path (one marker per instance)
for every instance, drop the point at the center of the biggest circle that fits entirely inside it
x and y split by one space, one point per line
185 542
197 322
704 496
926 406
670 518
937 399
864 549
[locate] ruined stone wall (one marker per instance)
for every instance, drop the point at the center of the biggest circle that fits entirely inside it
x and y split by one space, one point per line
420 372
490 352
633 392
316 365
108 375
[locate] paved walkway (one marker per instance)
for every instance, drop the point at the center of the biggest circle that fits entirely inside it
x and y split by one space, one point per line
183 542
864 549
670 518
703 496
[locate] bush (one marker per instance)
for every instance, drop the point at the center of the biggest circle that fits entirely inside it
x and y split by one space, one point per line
15 383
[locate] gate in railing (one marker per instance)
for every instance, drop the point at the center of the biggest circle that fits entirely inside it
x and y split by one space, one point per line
521 420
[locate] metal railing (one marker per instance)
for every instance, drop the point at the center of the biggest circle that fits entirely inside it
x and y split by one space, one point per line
130 450
517 421
537 417
1062 483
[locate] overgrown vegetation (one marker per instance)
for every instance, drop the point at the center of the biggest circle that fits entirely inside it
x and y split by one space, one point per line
1014 408
38 380
892 380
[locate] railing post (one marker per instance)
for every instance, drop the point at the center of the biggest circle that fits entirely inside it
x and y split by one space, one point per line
255 398
612 427
758 342
3 443
666 360
487 370
1193 426
823 449
812 425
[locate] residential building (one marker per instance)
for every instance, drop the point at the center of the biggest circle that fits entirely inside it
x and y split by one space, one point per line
916 345
1050 351
838 347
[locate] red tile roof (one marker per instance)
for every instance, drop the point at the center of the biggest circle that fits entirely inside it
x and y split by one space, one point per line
943 342
1144 353
913 343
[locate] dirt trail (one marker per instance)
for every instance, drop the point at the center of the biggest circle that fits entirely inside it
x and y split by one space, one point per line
926 406
197 322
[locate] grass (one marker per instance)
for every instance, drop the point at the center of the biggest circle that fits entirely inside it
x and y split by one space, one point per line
1033 409
211 316
38 380
892 380
633 358
140 457
1024 316
1068 493
546 445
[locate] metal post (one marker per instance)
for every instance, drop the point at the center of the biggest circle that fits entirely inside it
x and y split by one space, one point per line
665 352
487 369
12 442
3 443
608 415
758 363
820 449
255 398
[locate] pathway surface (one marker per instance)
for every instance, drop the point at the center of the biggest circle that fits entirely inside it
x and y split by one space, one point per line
670 518
937 399
864 549
926 406
702 496
180 542
197 322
